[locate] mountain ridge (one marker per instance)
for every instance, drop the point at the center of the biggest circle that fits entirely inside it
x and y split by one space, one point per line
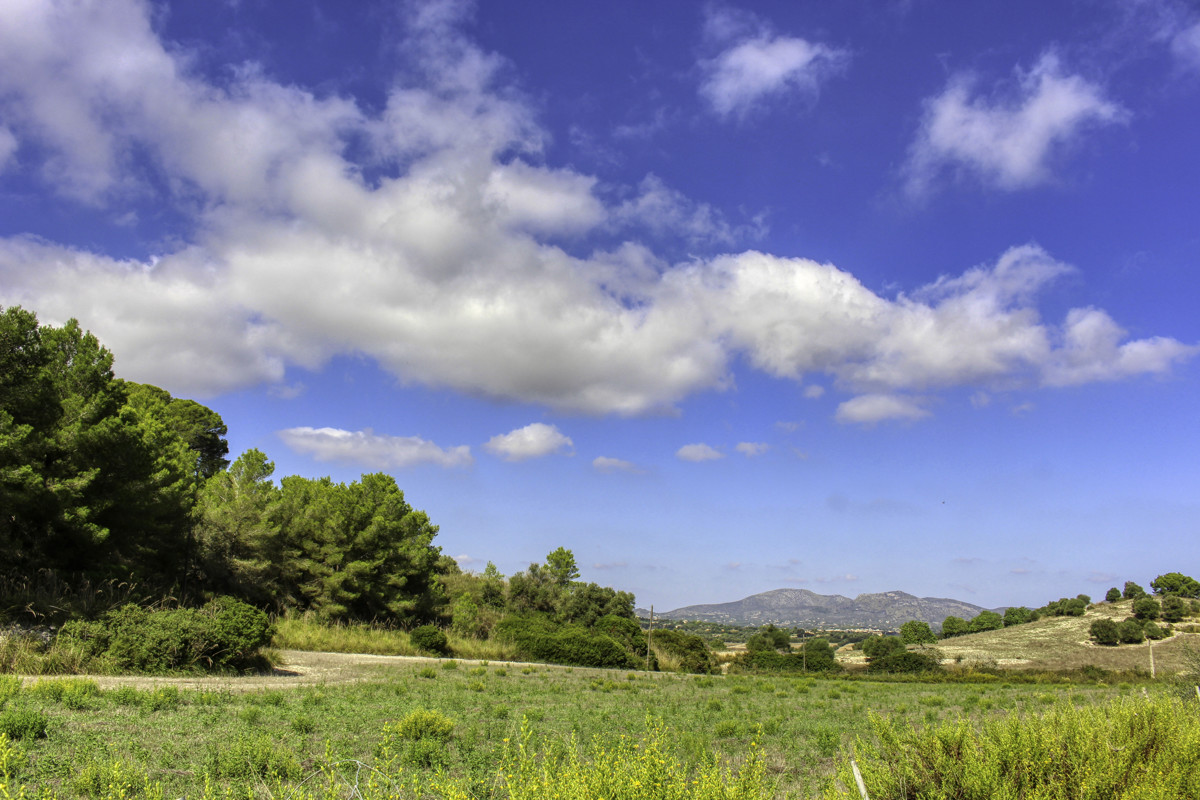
804 608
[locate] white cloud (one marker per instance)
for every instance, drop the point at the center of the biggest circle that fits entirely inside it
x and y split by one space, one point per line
698 452
757 65
607 464
868 409
1092 351
1007 141
533 441
1186 46
372 450
751 449
8 147
814 391
437 268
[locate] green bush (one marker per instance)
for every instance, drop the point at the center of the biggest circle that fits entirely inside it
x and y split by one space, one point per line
905 661
881 646
226 633
1146 608
1131 632
10 686
1106 632
431 639
23 723
421 723
688 649
1172 608
537 639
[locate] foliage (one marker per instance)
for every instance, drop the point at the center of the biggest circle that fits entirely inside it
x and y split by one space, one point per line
906 661
1132 591
646 769
1175 583
917 632
1105 632
1131 632
882 646
1066 607
225 633
1146 608
954 626
816 655
1113 595
561 567
1018 615
770 638
985 621
421 723
1173 609
22 723
97 475
431 639
686 650
1150 753
539 639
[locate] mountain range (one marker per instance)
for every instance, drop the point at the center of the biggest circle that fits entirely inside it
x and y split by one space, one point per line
802 608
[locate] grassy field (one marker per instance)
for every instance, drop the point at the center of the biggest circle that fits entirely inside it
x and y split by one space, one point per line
260 743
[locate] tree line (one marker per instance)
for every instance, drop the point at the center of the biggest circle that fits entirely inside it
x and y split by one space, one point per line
104 479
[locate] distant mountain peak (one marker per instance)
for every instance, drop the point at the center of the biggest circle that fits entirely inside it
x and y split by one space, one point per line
803 608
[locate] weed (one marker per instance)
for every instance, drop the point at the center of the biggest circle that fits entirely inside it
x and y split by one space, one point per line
427 672
23 724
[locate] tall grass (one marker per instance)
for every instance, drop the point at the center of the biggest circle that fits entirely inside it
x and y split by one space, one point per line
1129 749
305 632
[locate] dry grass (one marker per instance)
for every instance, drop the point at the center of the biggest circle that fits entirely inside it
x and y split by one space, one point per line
1064 643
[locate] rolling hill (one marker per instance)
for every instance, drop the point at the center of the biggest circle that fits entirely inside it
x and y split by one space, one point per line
805 609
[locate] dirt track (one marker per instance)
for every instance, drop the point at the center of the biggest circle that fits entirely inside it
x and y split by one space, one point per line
296 668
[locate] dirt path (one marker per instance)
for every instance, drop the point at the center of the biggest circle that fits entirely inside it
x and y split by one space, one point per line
296 668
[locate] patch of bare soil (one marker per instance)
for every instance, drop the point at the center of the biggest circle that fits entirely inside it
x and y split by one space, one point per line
295 668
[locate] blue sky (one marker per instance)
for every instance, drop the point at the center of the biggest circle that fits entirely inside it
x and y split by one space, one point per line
723 297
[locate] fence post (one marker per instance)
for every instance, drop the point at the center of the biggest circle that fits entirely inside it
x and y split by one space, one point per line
862 789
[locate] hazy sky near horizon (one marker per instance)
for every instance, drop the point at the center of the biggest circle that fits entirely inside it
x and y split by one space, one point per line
724 297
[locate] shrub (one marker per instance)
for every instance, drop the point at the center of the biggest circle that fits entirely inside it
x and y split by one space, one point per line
10 686
250 757
954 626
1105 632
431 639
23 723
986 621
225 633
917 632
1113 595
906 661
1153 631
1172 608
421 723
1132 591
881 646
1146 608
1130 632
687 650
538 639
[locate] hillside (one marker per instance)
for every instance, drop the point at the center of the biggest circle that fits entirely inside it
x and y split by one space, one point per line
1063 643
805 609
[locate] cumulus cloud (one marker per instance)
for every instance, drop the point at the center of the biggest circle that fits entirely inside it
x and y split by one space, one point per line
533 441
756 65
608 464
8 147
751 449
871 408
1006 140
443 267
372 450
1186 46
698 452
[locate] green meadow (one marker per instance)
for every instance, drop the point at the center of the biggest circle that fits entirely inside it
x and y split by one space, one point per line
465 729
